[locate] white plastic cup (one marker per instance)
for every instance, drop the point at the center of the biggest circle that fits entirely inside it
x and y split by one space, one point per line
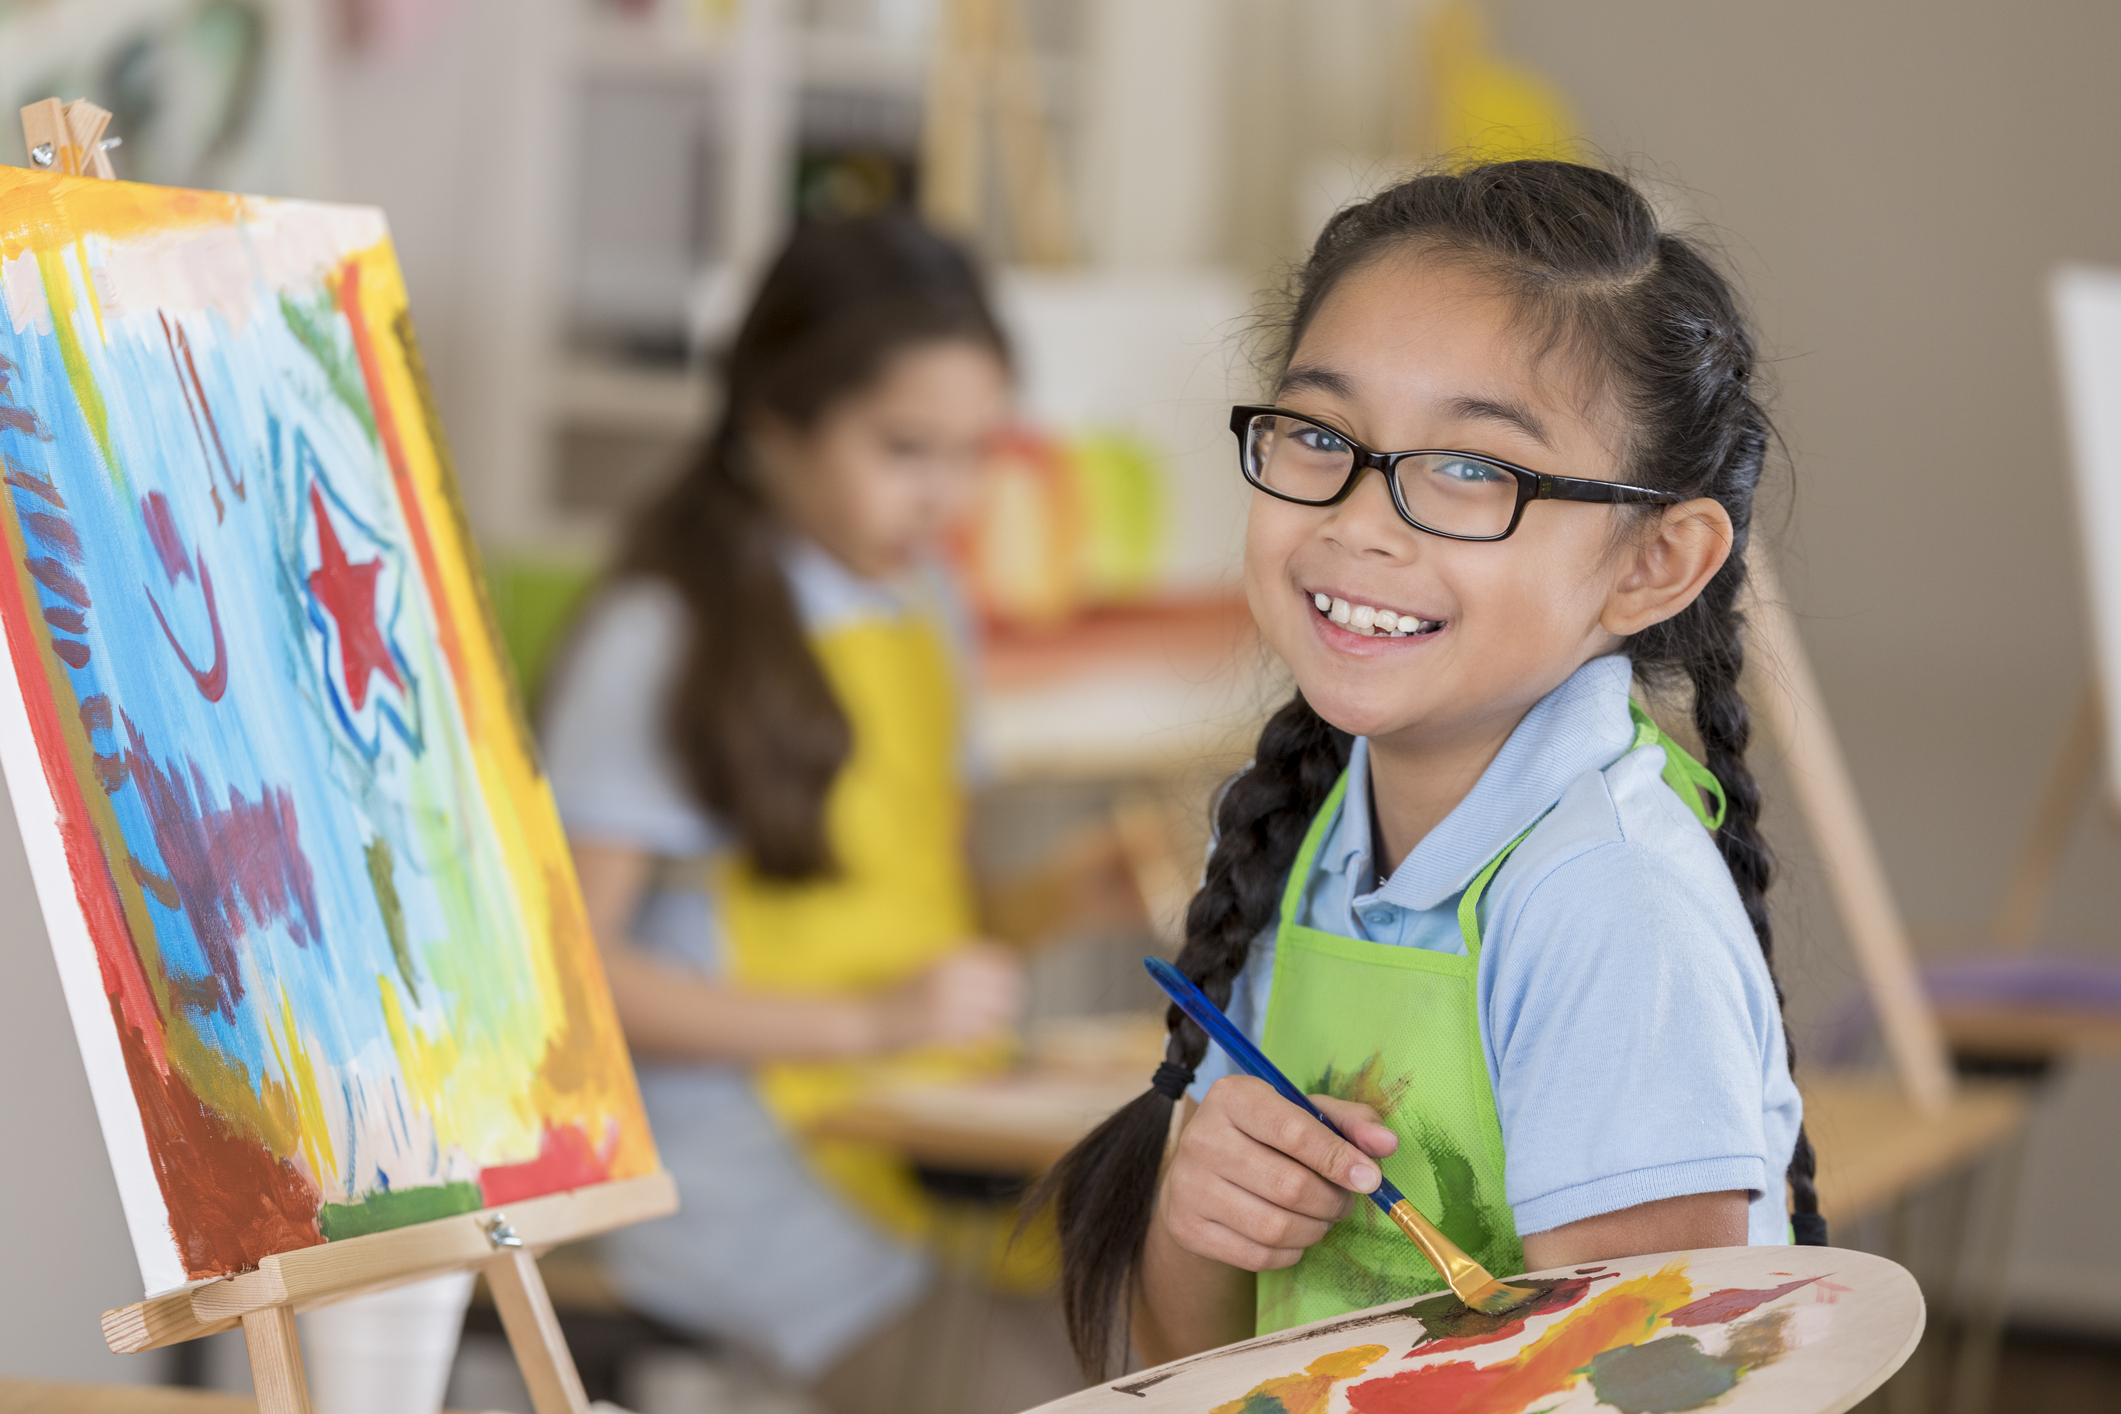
388 1353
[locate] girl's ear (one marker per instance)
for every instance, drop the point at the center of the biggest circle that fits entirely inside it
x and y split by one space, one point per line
1668 565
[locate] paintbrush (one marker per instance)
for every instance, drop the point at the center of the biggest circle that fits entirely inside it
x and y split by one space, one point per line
1469 1280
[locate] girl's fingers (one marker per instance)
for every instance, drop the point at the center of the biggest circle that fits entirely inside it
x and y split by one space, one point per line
1227 1151
1264 1115
1226 1223
1360 1123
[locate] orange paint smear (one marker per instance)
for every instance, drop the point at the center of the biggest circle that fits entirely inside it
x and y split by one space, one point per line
39 211
1552 1364
1308 1392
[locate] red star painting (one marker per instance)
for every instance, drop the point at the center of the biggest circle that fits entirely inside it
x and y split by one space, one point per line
348 593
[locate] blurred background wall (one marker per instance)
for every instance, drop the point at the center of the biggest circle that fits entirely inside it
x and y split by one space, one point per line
579 191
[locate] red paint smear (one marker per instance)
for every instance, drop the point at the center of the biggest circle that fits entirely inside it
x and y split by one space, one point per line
214 681
124 981
1548 1366
348 593
1720 1306
72 620
60 581
162 534
224 859
349 297
1559 1297
229 472
231 1203
74 655
565 1161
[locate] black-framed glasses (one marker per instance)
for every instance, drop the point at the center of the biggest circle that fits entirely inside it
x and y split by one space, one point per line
1458 495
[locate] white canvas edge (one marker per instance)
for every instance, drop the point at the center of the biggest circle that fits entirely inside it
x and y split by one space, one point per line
117 1110
2086 305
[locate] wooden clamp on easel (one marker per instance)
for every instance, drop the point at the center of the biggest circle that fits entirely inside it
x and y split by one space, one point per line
68 139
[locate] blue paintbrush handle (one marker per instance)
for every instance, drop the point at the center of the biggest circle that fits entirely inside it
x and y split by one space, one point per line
1223 1031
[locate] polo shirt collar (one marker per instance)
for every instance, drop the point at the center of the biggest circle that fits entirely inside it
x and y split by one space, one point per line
1579 727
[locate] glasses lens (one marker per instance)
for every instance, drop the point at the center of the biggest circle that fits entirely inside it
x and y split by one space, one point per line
1297 459
1458 495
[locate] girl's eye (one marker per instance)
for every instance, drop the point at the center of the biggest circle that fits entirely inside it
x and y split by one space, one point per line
1318 439
1469 473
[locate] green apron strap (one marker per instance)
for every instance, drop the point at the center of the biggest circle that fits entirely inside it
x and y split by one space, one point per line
1300 872
1688 778
1469 901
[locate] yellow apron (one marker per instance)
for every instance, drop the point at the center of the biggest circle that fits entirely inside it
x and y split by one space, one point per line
900 900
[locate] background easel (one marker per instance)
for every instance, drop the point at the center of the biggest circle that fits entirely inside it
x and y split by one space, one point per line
68 139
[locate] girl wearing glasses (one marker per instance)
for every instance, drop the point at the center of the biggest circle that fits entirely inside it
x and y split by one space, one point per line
1513 935
754 747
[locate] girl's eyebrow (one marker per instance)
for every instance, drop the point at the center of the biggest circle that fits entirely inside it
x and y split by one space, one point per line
1315 378
1312 378
1511 414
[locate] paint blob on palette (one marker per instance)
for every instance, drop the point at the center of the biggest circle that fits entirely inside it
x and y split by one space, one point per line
310 900
1796 1330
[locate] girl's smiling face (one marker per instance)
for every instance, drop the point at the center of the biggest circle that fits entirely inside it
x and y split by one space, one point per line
1407 353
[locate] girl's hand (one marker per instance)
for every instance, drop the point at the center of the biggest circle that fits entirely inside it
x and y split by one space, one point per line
1255 1180
968 996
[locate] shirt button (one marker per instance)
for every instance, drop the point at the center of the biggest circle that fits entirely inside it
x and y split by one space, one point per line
1377 917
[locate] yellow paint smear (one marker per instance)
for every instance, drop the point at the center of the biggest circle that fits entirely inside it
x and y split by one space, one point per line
43 213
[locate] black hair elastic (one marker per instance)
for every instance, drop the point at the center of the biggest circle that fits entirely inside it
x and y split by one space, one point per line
1171 1079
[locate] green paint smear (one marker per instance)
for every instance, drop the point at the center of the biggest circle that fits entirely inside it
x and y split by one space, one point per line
315 327
395 1208
1662 1377
380 868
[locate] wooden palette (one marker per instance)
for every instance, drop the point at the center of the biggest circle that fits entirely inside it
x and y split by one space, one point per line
1795 1330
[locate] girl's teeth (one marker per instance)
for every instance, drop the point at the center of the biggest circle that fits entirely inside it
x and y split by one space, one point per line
1323 601
1387 621
1340 611
1362 618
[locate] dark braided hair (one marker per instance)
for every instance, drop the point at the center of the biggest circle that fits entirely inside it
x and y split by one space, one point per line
1644 311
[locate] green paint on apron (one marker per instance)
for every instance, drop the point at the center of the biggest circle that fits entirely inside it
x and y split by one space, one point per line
1398 1029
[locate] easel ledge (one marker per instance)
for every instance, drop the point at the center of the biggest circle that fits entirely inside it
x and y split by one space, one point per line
317 1276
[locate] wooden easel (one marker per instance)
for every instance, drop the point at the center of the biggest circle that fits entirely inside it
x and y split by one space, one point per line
68 139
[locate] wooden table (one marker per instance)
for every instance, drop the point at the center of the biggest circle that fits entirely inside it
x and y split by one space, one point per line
1874 1149
2029 1034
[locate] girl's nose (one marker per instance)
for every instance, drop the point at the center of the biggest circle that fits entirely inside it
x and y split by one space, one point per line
1367 523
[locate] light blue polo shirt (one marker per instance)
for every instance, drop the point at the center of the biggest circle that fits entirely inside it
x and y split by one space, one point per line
1629 1022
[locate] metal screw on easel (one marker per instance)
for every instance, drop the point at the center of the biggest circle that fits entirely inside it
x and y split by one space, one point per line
42 154
500 1232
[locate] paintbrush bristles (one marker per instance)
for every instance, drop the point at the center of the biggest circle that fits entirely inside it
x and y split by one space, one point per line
1470 1281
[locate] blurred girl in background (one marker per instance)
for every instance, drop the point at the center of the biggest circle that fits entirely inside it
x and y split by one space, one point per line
756 745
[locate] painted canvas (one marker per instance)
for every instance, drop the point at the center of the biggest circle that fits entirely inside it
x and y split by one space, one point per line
310 900
1795 1330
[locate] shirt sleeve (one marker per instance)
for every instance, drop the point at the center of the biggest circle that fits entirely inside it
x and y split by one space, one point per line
607 752
1632 1032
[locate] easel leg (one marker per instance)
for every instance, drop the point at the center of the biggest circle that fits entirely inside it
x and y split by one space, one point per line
534 1334
276 1361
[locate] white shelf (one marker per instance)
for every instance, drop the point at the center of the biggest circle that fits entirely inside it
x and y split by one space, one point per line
639 49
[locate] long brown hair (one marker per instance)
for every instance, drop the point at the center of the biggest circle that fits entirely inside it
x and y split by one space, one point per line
1582 252
750 714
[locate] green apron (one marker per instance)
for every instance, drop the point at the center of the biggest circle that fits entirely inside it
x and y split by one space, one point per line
1398 1028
